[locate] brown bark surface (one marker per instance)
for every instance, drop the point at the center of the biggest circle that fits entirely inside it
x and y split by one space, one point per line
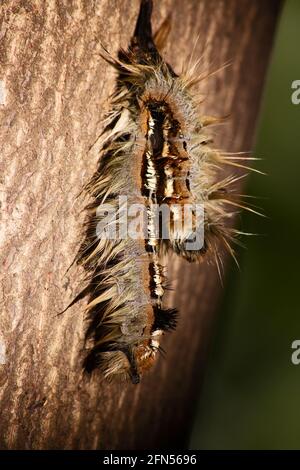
54 90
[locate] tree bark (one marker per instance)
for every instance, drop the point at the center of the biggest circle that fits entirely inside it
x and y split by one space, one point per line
54 90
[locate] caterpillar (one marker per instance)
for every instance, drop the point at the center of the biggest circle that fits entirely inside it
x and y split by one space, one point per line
155 151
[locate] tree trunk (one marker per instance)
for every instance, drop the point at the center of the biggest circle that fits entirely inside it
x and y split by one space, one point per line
54 90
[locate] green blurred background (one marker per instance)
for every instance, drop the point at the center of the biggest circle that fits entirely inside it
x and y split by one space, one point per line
251 393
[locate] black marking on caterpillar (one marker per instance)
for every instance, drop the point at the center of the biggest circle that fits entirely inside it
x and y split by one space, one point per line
154 149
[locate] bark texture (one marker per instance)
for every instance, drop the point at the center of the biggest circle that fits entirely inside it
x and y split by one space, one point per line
54 90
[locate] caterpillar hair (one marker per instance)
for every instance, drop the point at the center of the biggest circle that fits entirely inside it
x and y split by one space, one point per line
154 150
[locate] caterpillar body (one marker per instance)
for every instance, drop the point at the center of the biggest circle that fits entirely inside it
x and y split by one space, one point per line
154 150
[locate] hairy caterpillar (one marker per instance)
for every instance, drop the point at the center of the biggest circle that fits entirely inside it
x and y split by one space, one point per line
154 151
